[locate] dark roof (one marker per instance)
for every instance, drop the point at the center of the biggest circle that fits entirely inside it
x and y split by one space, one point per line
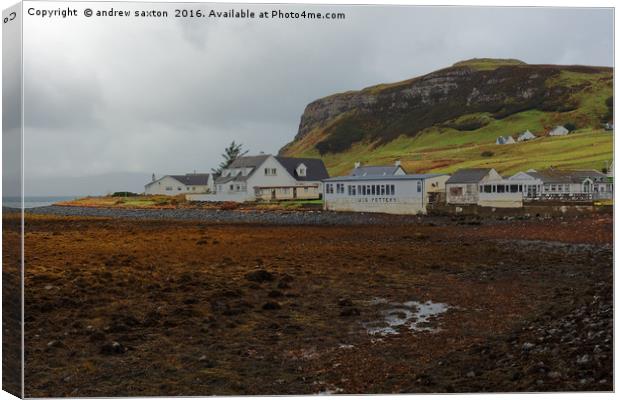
192 179
315 169
469 175
568 176
249 161
382 170
358 178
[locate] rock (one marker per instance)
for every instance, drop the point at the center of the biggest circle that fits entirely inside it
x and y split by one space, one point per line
527 346
349 312
260 276
554 375
583 359
97 336
471 374
345 302
271 306
112 348
275 293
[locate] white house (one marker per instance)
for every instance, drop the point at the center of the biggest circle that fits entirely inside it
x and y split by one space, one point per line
268 177
172 185
558 131
525 136
464 185
505 140
392 194
564 185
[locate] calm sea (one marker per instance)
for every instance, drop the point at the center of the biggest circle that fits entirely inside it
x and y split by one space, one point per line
34 201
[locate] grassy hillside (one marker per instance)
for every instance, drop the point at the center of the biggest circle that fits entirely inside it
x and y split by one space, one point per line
581 96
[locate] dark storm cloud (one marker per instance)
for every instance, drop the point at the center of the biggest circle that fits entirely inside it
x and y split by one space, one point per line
167 96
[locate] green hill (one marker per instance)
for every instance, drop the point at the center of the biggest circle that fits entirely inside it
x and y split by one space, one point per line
450 118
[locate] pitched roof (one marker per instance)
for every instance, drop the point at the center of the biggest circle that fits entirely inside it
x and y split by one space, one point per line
379 170
192 179
315 169
567 176
469 175
361 178
249 161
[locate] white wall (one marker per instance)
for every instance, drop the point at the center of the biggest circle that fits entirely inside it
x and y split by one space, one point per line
170 187
406 198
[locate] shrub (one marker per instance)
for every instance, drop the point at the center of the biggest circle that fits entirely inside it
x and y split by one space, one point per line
124 194
229 205
487 153
570 126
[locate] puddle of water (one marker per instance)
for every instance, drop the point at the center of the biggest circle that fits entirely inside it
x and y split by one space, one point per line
412 314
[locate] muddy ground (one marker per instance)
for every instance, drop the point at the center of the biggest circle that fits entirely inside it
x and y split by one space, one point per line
125 307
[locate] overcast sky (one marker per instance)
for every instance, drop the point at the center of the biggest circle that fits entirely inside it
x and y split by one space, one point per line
108 96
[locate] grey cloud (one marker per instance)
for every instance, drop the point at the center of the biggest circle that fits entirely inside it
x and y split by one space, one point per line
166 96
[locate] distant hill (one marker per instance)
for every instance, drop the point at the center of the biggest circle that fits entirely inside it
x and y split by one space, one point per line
450 119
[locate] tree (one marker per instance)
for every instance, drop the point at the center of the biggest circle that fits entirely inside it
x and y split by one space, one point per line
231 153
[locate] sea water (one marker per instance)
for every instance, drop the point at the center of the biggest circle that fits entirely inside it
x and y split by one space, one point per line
34 201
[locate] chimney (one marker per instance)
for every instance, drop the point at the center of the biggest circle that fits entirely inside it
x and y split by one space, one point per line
153 177
397 163
357 164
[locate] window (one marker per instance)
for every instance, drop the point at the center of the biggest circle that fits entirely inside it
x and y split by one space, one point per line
340 188
514 188
501 188
329 188
419 186
352 190
302 172
373 190
553 188
382 190
270 171
393 190
232 187
179 188
306 189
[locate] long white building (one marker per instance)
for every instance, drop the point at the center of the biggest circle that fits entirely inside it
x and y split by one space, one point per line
382 189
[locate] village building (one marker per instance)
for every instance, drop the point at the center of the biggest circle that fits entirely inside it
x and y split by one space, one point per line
505 140
394 193
267 177
564 185
172 185
525 136
463 186
558 131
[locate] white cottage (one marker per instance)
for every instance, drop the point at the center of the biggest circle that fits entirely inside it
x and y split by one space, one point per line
392 194
268 177
525 136
172 185
463 186
558 131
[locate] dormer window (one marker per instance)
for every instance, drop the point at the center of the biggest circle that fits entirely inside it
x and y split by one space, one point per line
301 170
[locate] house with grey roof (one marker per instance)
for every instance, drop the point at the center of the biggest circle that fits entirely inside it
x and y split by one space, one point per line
558 131
525 136
267 177
565 185
382 189
172 185
505 140
463 185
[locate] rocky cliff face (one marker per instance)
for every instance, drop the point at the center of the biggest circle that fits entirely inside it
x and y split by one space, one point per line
381 113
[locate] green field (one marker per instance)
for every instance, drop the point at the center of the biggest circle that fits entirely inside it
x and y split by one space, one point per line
446 150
